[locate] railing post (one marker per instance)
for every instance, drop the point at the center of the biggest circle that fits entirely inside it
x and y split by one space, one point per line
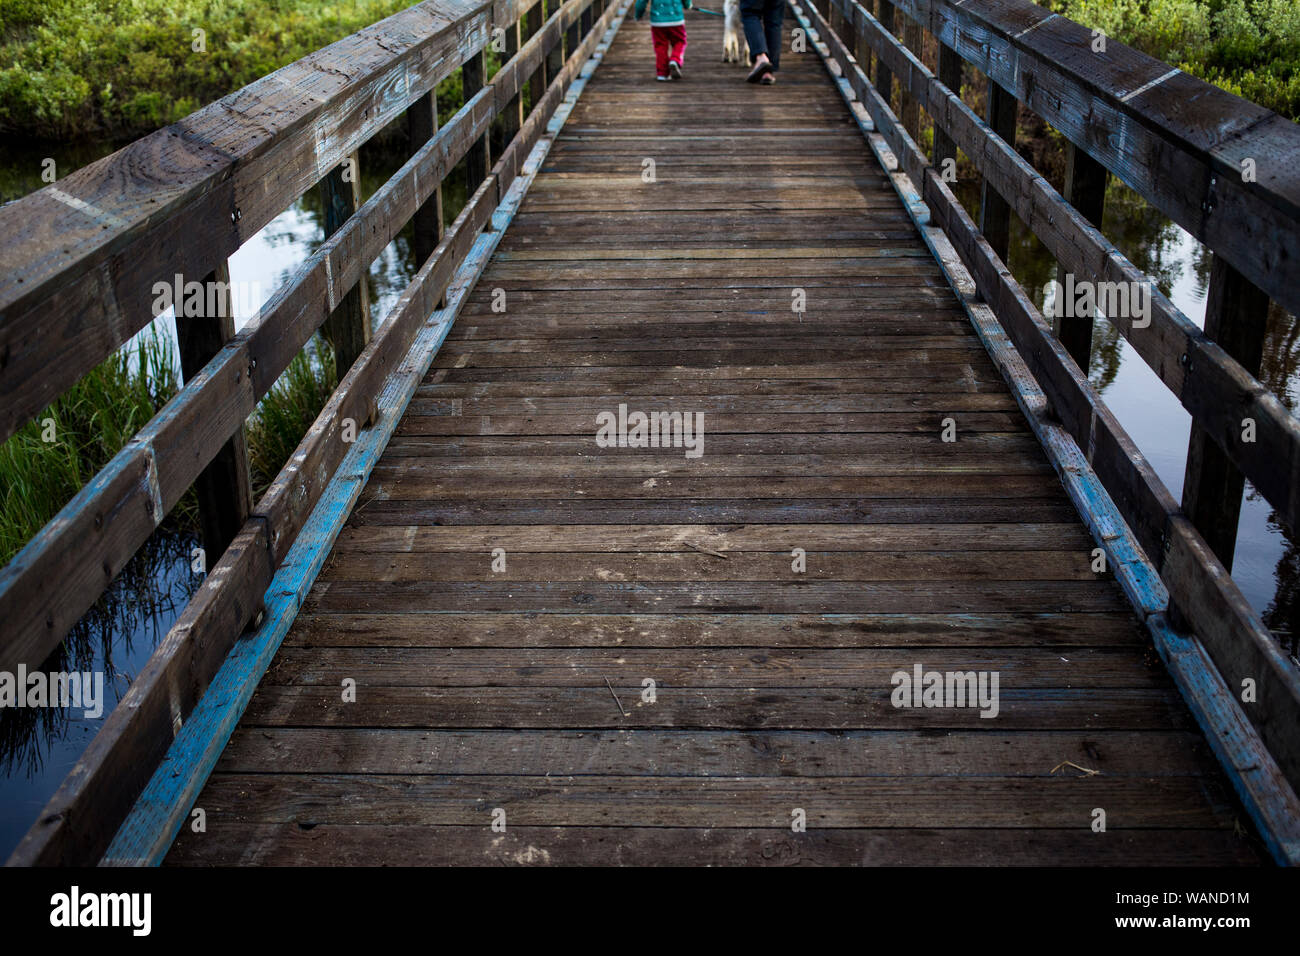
950 76
512 117
555 58
537 82
861 49
911 108
1236 319
571 40
421 124
885 79
223 488
478 162
995 212
348 328
1085 190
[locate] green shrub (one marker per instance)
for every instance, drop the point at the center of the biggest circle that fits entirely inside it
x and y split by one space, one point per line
60 57
288 410
1247 47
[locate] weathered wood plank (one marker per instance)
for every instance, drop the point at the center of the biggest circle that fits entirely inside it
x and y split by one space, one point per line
230 843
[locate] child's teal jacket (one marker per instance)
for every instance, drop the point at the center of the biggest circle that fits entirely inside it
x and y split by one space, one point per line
663 13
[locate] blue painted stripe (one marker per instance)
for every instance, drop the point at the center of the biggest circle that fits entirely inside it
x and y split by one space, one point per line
162 809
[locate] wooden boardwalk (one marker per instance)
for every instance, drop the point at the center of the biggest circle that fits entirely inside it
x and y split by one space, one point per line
524 690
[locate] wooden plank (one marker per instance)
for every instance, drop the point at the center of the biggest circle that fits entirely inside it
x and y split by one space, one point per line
831 802
670 598
560 539
705 630
231 843
738 668
771 708
737 566
697 753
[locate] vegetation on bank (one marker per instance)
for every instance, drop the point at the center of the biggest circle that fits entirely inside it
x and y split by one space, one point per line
1247 47
116 69
51 458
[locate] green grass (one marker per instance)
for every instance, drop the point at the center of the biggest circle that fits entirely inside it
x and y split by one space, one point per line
287 411
1247 47
120 68
94 419
89 424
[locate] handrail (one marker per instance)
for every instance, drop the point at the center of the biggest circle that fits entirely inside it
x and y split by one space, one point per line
1176 140
390 67
1027 50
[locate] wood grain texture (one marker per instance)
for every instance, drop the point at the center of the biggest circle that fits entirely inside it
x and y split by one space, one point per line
521 686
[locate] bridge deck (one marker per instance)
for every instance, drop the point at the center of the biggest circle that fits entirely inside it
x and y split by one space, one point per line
479 690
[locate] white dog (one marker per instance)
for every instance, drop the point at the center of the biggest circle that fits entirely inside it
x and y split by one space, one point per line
734 47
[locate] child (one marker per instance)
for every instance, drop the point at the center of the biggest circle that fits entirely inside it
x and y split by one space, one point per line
668 31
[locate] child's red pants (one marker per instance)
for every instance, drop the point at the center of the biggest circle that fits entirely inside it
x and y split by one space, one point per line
670 44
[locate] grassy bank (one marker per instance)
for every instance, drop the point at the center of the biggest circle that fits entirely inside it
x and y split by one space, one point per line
120 68
1247 47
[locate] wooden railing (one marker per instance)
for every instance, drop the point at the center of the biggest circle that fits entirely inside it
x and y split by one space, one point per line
1224 169
80 259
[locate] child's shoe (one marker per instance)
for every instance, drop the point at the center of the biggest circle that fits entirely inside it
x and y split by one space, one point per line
663 79
675 69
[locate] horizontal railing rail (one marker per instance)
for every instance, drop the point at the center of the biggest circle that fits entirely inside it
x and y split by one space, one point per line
1179 143
232 167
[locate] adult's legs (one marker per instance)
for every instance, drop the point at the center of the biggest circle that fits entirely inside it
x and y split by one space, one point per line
751 18
773 15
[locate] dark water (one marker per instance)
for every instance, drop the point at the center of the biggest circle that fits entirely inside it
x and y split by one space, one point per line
36 753
38 747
